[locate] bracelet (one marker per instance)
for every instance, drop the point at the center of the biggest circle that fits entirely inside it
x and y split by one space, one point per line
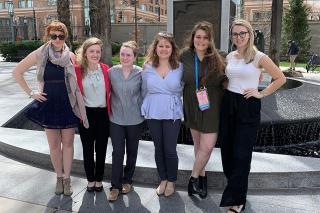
32 92
262 93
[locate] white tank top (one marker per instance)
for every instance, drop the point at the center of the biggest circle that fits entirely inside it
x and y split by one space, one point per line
241 75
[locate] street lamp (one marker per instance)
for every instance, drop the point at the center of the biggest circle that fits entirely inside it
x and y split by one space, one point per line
135 22
34 24
25 26
11 14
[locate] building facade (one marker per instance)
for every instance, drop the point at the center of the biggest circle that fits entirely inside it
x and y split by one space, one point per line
259 13
30 17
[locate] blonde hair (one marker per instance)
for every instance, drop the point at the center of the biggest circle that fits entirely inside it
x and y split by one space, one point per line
152 50
55 25
215 61
250 49
80 53
132 45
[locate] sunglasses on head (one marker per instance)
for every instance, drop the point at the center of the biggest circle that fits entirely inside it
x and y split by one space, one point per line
165 34
54 37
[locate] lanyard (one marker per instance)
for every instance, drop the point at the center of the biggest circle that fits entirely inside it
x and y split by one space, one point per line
196 69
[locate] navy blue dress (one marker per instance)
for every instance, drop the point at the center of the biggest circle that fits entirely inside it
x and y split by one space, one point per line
56 111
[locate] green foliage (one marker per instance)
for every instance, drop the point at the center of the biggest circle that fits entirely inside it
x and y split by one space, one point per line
116 60
115 48
16 51
75 45
295 27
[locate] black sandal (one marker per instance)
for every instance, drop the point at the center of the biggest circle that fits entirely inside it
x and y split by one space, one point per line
233 210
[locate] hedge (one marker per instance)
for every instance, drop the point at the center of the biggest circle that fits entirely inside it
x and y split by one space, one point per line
16 51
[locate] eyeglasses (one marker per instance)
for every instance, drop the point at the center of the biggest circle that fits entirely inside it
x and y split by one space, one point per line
54 37
165 34
242 34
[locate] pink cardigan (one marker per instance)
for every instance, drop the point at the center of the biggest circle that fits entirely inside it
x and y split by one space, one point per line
105 69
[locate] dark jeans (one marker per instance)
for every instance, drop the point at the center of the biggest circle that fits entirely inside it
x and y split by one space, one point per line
165 134
239 123
124 139
95 139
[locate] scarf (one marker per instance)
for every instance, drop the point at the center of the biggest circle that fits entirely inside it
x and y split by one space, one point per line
46 52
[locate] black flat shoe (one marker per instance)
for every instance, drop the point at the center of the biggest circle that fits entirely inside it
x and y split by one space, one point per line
90 188
98 188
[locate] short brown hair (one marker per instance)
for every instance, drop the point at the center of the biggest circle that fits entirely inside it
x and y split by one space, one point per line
152 52
55 25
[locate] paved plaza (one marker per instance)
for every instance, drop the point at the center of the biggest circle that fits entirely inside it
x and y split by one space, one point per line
29 187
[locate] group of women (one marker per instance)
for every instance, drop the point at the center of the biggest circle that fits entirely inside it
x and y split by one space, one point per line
220 95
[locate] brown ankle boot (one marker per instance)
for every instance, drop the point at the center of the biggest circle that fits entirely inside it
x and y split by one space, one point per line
67 189
59 186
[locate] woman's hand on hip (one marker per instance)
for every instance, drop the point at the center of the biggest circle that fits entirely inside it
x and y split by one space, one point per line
39 96
252 93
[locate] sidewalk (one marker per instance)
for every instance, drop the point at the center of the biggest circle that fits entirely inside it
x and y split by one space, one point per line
24 188
27 189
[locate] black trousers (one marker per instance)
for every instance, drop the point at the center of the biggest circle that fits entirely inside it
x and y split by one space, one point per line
239 123
165 134
95 140
124 139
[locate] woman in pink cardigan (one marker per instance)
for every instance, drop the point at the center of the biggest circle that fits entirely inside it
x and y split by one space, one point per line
94 85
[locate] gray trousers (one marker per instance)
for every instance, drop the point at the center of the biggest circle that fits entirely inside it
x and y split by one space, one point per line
165 134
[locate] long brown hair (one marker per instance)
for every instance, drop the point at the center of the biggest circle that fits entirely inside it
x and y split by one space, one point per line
214 60
152 50
80 53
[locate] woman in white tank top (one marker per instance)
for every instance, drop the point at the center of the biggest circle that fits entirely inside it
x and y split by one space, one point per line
240 111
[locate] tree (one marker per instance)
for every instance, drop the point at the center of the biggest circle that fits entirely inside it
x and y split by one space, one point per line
275 35
100 24
295 27
63 11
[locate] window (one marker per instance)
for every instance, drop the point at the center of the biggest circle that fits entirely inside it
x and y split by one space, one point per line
143 7
25 3
151 1
1 6
156 10
150 8
261 16
22 4
52 2
30 3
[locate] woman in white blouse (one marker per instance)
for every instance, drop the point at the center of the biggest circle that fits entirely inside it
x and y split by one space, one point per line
240 111
93 82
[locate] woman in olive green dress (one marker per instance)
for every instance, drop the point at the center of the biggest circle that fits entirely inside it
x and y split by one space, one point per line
201 99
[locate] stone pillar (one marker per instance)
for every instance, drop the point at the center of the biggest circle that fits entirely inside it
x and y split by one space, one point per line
224 30
170 16
184 14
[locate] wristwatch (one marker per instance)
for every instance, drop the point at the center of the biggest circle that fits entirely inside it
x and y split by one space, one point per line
32 92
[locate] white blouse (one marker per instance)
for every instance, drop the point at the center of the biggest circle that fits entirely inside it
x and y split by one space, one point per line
94 89
241 75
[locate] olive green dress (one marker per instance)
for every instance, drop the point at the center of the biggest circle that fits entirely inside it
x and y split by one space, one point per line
204 121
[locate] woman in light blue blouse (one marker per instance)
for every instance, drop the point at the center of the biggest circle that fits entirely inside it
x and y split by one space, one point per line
125 119
162 106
